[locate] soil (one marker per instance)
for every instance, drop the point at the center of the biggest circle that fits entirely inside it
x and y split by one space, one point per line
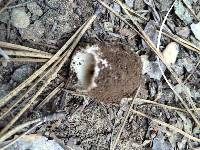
91 122
123 76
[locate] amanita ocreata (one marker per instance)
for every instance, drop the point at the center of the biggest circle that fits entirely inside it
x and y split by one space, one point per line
107 72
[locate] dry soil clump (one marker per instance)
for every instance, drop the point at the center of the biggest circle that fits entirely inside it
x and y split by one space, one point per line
107 72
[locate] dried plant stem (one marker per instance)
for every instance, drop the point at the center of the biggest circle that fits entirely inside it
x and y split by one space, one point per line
124 121
139 101
182 42
134 12
34 60
49 97
175 129
62 60
4 100
19 47
27 54
8 2
18 128
191 10
19 137
189 99
195 68
158 53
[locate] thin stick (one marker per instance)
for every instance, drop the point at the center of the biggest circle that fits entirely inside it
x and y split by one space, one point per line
159 55
195 68
180 82
18 128
182 42
134 12
191 11
8 2
125 120
49 97
52 76
21 136
175 129
34 60
39 71
19 47
27 54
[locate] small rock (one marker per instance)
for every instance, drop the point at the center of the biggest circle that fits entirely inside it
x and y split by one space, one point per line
183 12
196 30
35 9
4 17
35 142
22 73
171 52
108 26
34 32
152 68
183 31
3 90
116 7
129 3
19 18
150 30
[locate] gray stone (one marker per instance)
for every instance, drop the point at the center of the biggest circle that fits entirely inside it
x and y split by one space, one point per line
35 9
129 3
196 30
152 68
183 31
22 73
183 12
35 142
19 18
4 17
34 32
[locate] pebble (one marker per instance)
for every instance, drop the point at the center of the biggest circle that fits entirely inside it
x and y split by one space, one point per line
171 52
19 18
22 73
183 12
108 26
152 68
196 30
183 31
129 3
35 9
116 7
34 32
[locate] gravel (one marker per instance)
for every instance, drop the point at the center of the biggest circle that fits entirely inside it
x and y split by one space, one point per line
19 18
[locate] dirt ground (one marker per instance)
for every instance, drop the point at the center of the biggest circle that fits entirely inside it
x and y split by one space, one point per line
89 124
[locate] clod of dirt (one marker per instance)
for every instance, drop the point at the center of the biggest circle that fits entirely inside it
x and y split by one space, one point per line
108 72
171 52
19 18
35 142
182 12
35 9
33 32
22 73
196 30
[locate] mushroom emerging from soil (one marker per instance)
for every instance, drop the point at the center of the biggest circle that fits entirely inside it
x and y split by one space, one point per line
107 72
